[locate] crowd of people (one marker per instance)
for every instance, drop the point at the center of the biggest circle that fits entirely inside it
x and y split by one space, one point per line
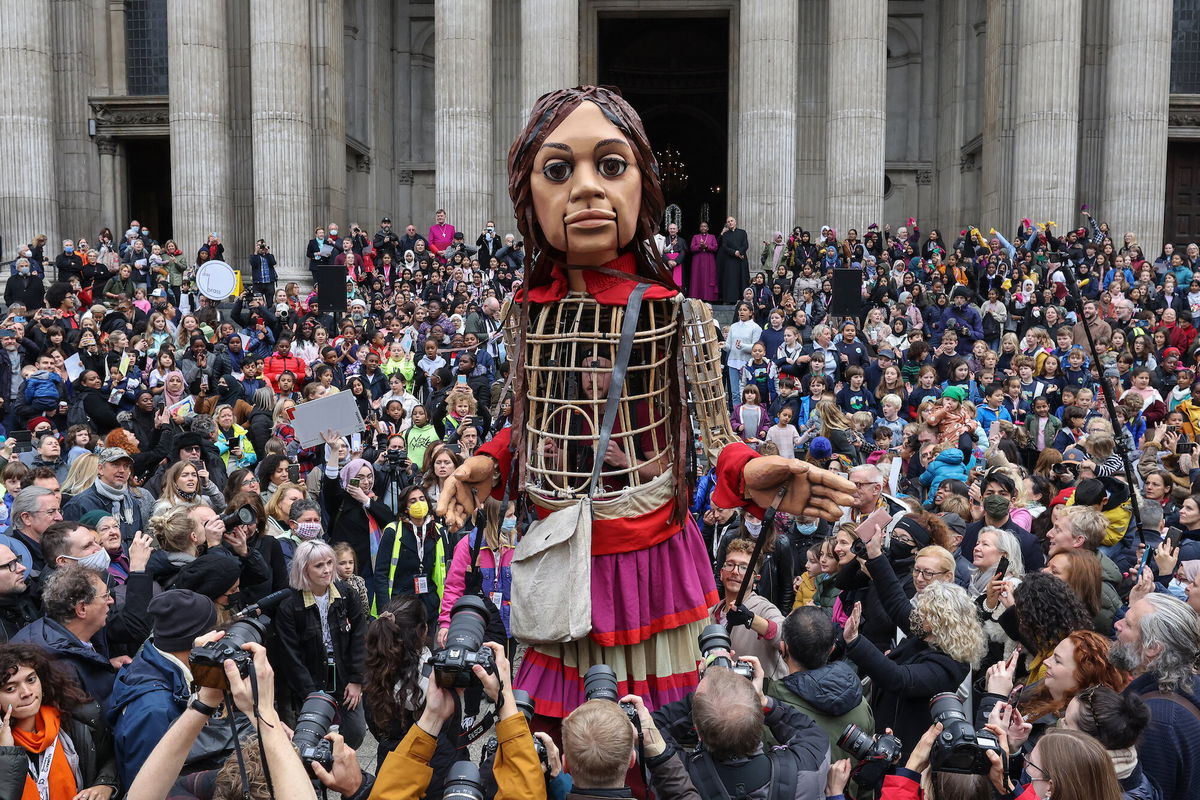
984 397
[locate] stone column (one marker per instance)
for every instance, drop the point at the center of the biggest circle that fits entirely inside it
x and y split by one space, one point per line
28 205
463 119
329 115
201 165
767 54
74 70
1134 168
1046 118
282 141
107 148
812 116
549 48
857 113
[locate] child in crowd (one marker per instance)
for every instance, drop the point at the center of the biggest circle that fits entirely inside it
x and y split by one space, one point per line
784 434
750 419
947 464
891 421
993 407
431 362
760 372
855 396
346 566
805 584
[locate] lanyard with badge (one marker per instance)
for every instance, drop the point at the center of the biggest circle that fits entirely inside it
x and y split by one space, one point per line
420 580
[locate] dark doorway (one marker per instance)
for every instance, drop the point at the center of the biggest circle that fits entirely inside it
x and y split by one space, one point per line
149 182
675 72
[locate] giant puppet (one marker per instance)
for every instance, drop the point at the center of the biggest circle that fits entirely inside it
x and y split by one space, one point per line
585 187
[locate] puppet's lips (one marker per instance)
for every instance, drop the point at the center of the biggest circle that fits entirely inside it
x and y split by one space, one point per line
590 217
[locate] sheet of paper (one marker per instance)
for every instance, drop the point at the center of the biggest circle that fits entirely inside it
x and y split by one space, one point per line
74 366
338 412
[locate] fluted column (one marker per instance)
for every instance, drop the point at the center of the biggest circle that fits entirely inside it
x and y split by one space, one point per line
329 114
201 166
463 132
549 48
857 112
1135 128
282 125
27 188
1046 119
74 69
812 112
767 48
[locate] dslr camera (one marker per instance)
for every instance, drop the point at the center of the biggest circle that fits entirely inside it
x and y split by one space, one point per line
239 516
395 458
959 748
316 715
464 646
525 704
206 662
715 647
875 755
463 782
600 683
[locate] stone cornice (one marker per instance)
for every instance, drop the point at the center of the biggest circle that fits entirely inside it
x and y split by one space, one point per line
129 116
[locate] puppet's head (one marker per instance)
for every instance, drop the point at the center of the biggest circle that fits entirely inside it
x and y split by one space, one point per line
585 185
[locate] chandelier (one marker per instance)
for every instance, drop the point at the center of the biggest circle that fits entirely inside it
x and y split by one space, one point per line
672 169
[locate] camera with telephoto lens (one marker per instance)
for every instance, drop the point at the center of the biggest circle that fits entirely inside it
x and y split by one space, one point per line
959 748
464 646
316 715
463 781
712 640
239 516
206 662
600 683
525 704
875 755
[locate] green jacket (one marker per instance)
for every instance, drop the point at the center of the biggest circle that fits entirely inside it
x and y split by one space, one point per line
832 695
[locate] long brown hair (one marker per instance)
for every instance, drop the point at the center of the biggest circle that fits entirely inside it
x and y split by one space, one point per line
394 643
1079 766
58 688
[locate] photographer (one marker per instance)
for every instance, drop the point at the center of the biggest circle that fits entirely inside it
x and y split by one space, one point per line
320 641
393 471
158 777
406 772
262 270
728 713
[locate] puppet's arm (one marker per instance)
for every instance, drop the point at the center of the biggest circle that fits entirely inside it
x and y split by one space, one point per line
702 366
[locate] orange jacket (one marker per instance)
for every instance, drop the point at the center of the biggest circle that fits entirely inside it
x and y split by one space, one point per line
406 772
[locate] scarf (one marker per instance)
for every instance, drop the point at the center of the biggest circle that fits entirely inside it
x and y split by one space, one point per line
351 470
56 775
1124 761
121 509
171 399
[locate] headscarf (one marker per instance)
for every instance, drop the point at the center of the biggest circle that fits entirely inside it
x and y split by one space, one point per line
171 399
777 249
351 470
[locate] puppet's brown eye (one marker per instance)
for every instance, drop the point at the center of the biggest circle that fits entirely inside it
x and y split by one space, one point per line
557 171
613 166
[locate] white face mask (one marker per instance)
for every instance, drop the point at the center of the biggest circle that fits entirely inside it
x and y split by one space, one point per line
97 561
753 527
308 530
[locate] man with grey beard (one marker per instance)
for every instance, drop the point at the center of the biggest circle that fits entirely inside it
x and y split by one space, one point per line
1158 642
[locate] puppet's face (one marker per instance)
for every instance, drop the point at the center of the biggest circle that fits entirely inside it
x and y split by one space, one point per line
587 188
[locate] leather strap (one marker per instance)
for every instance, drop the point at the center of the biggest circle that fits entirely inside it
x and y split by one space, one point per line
617 382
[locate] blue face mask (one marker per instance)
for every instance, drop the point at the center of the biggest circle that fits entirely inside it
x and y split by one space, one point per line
1177 588
806 528
508 524
68 249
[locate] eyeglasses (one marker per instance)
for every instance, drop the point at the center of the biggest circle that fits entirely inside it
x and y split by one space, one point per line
11 566
1029 763
50 511
740 569
929 574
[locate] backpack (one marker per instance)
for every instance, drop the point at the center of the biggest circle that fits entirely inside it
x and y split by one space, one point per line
778 776
41 391
77 414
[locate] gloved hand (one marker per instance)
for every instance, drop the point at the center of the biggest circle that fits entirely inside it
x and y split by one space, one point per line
740 616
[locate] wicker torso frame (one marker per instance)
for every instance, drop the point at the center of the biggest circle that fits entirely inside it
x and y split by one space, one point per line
570 347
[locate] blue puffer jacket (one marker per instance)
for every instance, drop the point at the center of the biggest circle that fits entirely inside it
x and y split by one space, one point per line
88 664
948 464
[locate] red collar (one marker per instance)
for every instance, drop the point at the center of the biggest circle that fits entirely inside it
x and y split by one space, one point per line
607 290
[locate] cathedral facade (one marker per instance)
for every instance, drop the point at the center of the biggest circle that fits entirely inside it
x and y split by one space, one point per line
268 118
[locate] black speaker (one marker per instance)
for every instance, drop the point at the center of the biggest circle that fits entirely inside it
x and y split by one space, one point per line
331 288
847 298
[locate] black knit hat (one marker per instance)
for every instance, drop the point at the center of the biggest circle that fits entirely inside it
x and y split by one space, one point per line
187 439
212 575
179 617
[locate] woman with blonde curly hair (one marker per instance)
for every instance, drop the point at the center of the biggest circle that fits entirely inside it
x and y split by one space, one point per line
947 642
